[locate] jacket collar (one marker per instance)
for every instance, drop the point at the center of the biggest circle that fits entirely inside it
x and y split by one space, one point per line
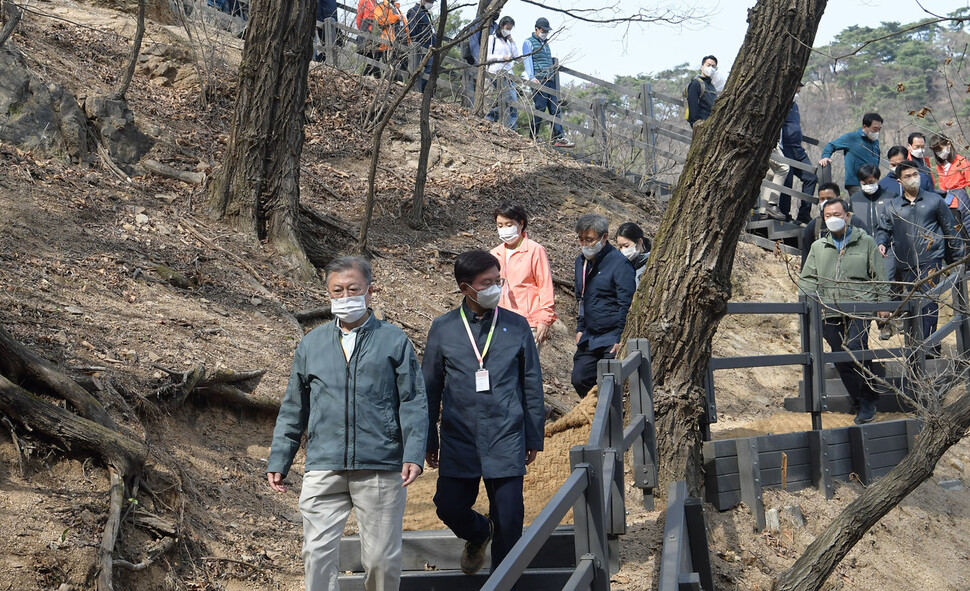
855 234
368 325
523 244
470 314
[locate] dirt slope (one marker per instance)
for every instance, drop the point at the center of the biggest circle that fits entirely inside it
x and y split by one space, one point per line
80 253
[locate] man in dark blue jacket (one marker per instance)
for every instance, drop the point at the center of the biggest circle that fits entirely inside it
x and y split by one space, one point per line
791 147
921 231
889 183
483 380
605 282
701 92
422 33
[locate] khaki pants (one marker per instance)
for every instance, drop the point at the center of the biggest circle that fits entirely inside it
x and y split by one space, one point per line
378 502
777 173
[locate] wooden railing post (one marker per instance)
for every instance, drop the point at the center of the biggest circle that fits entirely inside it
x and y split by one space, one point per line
641 403
599 127
330 41
815 394
616 511
589 515
960 303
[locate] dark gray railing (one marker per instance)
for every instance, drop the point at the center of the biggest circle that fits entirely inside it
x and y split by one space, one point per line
813 357
595 486
685 563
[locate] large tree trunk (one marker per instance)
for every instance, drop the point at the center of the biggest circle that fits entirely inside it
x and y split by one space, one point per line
940 433
491 13
258 188
421 176
679 305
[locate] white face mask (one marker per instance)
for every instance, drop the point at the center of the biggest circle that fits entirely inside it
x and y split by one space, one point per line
509 234
590 252
708 70
873 135
835 225
796 96
504 32
349 309
629 252
944 153
488 297
916 152
870 189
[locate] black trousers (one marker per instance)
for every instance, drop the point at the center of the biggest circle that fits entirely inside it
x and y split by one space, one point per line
851 334
456 496
808 179
584 367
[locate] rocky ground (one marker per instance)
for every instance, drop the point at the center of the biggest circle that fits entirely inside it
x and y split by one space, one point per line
118 276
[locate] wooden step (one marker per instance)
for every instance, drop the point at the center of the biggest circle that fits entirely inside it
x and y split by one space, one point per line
547 579
441 550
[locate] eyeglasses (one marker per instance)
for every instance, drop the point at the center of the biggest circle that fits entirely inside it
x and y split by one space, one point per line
487 284
586 241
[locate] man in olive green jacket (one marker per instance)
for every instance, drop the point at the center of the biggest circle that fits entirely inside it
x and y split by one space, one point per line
846 266
357 391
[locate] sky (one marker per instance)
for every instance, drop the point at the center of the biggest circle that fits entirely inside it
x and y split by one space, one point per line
607 51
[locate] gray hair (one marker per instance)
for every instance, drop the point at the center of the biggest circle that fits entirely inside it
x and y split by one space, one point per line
594 221
341 264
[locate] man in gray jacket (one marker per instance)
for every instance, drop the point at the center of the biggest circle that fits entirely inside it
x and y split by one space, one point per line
357 391
482 371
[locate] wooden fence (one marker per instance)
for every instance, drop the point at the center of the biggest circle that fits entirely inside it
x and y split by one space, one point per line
685 561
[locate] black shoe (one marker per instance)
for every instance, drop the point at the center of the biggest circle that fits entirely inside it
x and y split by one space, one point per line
867 412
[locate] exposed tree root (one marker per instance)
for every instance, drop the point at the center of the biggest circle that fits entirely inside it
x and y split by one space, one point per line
153 555
224 386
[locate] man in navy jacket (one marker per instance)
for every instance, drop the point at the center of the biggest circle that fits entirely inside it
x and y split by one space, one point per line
791 147
484 382
605 282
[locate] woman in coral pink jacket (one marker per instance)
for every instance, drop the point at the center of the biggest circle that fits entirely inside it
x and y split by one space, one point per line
525 267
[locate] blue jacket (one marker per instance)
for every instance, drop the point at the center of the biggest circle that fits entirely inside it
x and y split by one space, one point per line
791 132
605 300
483 433
921 232
859 150
326 9
369 413
420 26
701 94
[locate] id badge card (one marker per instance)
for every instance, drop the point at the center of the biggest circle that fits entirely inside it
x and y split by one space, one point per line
481 380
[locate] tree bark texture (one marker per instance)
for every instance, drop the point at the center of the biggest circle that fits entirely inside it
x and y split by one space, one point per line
258 188
679 305
119 94
421 176
11 16
940 432
489 12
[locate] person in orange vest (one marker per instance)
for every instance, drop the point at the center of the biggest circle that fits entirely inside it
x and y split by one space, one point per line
383 19
394 34
366 44
953 172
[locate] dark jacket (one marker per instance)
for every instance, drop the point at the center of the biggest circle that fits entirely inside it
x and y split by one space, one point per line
700 99
791 132
921 232
420 26
483 433
605 301
326 9
369 413
868 208
816 229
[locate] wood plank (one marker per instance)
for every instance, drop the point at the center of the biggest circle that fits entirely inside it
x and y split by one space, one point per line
749 471
537 580
886 459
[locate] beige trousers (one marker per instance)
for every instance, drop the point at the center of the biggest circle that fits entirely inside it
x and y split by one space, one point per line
777 173
378 502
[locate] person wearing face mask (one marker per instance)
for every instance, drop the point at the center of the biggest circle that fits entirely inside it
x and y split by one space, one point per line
540 70
529 290
917 151
815 228
920 229
605 282
791 148
701 92
634 246
502 51
953 170
482 373
422 34
860 147
357 391
890 183
844 267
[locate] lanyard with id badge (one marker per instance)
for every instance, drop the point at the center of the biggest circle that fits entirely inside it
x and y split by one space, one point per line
481 376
